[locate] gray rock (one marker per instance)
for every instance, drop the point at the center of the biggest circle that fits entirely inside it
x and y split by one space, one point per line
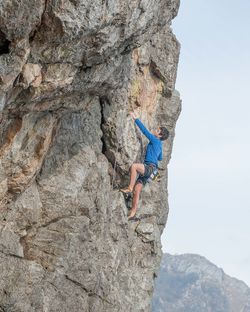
70 72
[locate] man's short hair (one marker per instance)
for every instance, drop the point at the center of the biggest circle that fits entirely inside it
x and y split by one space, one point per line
164 133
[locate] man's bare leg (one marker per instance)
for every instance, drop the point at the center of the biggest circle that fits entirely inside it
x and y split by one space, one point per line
137 191
135 168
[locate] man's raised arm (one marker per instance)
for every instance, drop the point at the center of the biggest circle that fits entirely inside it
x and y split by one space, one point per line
143 129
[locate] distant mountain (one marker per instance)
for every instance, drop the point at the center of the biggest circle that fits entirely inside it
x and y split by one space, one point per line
190 283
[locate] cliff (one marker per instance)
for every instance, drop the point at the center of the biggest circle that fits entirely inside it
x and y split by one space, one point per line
70 71
191 283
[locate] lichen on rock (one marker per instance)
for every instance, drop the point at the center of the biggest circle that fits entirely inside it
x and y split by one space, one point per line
70 72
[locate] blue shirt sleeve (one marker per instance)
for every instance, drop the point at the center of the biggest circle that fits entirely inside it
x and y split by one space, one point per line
144 130
160 156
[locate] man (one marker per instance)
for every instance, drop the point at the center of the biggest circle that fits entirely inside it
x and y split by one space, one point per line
150 164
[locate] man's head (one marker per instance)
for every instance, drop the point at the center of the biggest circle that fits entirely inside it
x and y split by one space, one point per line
162 133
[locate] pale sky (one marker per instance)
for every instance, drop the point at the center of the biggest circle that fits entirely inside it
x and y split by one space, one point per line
209 173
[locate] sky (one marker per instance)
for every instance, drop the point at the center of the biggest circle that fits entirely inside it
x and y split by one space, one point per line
209 173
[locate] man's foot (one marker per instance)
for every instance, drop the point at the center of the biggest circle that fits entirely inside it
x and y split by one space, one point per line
131 215
126 190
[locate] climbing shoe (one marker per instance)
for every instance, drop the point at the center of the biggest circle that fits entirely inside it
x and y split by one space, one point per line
134 218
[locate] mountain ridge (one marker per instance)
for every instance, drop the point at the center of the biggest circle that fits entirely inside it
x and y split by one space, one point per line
190 282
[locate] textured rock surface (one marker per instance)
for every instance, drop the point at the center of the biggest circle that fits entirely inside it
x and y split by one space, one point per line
190 283
70 71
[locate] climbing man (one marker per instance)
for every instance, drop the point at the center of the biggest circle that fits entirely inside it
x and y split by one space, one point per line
150 164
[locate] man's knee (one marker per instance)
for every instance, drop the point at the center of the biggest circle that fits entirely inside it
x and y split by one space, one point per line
138 167
134 167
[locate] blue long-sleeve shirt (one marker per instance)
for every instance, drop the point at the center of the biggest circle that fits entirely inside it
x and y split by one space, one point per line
154 147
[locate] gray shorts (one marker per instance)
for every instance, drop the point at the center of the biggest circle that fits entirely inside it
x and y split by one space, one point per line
148 171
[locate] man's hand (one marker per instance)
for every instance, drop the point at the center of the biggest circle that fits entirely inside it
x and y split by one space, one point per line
132 114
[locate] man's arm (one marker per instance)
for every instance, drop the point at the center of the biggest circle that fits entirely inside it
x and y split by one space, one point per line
141 126
144 130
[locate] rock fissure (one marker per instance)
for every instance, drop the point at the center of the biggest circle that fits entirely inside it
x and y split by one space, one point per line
4 44
39 26
104 147
11 255
89 292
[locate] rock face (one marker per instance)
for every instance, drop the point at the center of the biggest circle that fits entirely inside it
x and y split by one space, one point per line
190 283
70 71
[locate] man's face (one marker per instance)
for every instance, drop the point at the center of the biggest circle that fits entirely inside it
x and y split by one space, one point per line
157 132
